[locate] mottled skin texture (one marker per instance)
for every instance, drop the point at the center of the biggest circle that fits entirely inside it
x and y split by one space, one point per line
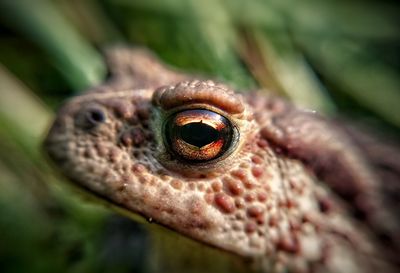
293 193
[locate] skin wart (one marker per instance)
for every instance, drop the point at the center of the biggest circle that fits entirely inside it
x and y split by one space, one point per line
291 191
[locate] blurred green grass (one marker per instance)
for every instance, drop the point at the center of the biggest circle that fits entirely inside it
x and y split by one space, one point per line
339 57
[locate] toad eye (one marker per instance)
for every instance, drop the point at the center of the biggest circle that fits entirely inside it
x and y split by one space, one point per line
199 135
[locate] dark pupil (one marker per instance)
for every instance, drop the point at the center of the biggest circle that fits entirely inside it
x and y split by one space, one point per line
198 134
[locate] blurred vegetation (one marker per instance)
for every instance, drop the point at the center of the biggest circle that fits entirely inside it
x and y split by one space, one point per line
339 57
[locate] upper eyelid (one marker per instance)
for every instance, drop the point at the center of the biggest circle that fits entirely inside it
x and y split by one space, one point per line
200 106
203 92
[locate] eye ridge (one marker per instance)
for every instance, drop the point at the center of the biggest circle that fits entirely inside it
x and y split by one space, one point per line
198 135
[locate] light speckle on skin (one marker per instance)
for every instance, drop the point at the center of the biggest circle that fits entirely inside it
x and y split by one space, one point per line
264 198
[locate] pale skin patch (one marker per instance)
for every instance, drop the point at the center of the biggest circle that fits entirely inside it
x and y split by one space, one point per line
262 199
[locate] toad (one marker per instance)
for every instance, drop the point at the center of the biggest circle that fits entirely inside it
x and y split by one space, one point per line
248 173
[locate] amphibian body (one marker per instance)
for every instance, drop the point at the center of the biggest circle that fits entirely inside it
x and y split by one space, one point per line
247 173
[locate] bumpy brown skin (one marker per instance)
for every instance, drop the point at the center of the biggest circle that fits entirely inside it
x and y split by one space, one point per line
293 193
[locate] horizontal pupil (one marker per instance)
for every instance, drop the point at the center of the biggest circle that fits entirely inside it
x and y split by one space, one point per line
198 134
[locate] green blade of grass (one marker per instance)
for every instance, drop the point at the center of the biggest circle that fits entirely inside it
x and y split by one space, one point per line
354 71
39 20
283 68
193 35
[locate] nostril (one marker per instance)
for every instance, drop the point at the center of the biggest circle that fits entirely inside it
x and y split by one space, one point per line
90 117
96 116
